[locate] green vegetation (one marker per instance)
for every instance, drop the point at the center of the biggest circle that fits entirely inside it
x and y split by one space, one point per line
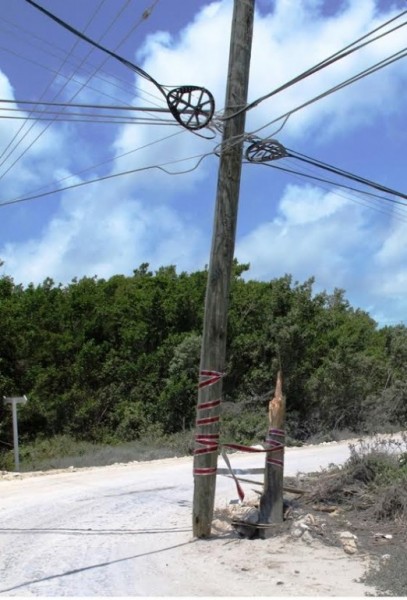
373 480
108 362
370 490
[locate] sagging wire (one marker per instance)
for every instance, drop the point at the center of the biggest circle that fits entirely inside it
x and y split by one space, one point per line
160 167
109 160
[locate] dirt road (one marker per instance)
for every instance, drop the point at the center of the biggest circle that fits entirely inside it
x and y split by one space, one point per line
125 530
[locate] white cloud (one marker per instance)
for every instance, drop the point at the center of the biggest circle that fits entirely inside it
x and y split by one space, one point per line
302 205
286 42
96 234
113 227
337 241
314 233
391 261
30 151
294 38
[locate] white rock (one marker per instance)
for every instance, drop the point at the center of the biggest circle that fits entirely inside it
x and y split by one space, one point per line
385 557
347 535
307 537
350 547
296 532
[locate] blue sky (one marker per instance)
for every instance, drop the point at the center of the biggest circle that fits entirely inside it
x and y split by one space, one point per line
287 224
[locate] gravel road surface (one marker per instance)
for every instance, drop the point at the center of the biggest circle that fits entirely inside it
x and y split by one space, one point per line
125 530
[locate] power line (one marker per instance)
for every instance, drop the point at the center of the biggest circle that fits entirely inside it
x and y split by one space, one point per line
78 81
264 151
92 42
86 116
346 174
383 204
145 15
109 160
335 183
346 51
42 95
178 99
112 120
352 196
361 75
125 87
79 105
160 167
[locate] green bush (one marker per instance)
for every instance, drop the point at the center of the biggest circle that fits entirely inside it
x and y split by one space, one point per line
6 460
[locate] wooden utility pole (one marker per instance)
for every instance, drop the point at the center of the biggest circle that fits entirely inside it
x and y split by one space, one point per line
213 349
271 502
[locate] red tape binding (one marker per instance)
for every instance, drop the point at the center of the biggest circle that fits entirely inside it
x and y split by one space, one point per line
209 442
277 432
210 378
275 461
275 446
205 471
210 404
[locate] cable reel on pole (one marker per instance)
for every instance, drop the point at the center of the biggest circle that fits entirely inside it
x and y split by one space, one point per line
261 151
192 106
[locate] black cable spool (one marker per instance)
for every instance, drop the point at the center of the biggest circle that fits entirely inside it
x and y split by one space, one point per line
265 151
192 106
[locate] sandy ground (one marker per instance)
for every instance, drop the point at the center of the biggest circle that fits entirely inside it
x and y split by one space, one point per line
125 530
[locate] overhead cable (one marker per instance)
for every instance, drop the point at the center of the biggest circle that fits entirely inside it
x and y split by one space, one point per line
121 84
84 37
333 183
347 174
107 120
268 150
108 160
102 117
179 99
361 75
71 77
91 18
160 167
68 80
79 105
356 196
346 51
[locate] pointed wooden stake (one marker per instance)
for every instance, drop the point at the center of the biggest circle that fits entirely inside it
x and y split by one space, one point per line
271 502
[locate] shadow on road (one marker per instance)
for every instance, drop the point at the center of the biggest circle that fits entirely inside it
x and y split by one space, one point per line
90 567
90 531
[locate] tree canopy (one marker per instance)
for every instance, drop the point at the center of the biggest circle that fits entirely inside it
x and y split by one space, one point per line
107 359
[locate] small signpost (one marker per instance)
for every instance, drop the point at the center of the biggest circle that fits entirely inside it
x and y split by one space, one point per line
14 400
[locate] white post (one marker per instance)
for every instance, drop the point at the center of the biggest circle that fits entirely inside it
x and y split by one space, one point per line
15 436
14 400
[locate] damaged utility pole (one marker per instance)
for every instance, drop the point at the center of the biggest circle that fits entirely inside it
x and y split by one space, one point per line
220 269
271 502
